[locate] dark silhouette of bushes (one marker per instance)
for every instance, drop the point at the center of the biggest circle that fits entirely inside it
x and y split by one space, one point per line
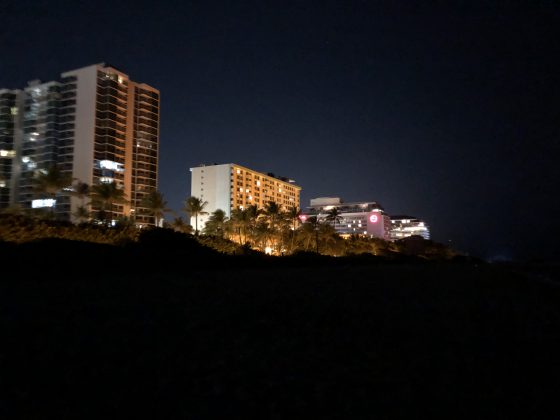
223 245
418 246
21 229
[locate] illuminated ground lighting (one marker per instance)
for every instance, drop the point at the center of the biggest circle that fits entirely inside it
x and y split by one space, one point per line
268 250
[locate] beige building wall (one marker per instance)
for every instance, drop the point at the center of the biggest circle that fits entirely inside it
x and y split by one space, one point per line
249 187
84 132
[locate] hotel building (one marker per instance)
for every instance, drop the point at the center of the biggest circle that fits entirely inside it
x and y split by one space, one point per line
230 186
358 218
406 226
95 124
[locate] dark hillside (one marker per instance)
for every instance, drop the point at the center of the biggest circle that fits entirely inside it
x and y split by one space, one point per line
100 331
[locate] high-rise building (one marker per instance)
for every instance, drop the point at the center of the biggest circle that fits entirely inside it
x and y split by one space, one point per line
95 124
359 218
10 133
230 186
407 226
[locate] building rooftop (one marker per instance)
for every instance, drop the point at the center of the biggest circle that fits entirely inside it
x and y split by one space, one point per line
355 207
269 174
403 216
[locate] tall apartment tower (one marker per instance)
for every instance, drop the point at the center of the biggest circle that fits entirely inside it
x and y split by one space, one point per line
93 123
230 186
10 137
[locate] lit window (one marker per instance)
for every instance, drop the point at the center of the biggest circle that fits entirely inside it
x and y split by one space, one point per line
7 153
109 164
49 202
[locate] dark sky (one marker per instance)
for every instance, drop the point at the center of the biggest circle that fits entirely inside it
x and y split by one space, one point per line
447 111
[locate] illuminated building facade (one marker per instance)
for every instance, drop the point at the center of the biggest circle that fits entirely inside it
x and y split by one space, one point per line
95 124
406 226
10 132
230 186
359 218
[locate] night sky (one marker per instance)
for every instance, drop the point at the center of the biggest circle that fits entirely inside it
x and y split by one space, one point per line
446 112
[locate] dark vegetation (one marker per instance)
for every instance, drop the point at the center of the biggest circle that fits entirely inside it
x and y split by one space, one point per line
23 228
162 327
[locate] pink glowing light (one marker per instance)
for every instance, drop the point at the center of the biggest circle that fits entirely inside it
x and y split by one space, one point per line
302 217
373 218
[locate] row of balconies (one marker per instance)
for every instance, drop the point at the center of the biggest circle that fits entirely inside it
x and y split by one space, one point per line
147 130
110 116
148 115
145 107
103 107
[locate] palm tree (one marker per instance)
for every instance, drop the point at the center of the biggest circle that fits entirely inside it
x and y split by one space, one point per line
273 214
195 207
81 190
81 213
328 238
156 205
105 195
52 181
272 211
216 223
179 225
261 234
307 233
334 216
315 223
252 214
293 214
240 222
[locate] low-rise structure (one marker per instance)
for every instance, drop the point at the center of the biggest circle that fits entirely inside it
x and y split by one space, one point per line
407 226
356 218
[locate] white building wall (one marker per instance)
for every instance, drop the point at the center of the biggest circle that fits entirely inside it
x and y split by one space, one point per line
84 131
211 184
